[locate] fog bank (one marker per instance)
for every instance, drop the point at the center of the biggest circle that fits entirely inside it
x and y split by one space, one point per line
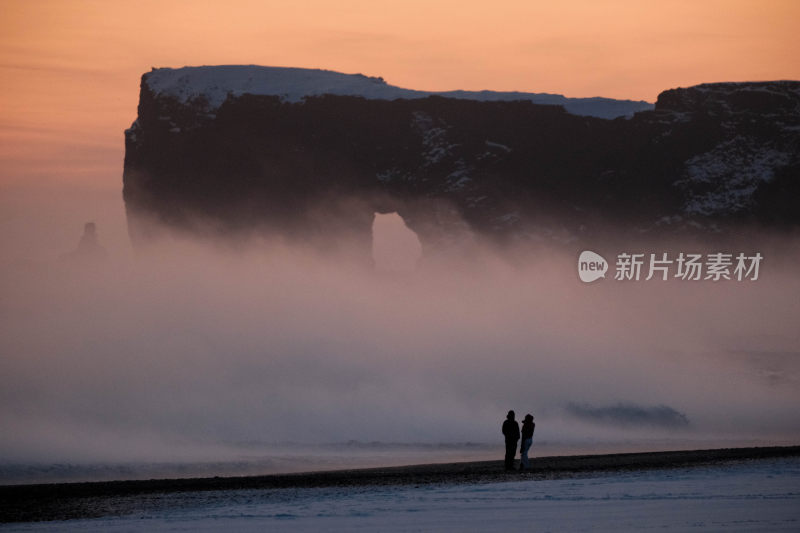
188 350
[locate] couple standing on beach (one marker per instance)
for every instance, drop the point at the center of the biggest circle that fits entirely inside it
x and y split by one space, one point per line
512 435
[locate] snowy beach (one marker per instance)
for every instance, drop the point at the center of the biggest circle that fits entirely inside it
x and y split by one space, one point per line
752 489
350 266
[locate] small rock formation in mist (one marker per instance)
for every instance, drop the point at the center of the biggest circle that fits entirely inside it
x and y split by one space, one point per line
312 155
89 247
629 415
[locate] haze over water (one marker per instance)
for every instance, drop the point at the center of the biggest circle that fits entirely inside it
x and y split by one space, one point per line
192 352
200 352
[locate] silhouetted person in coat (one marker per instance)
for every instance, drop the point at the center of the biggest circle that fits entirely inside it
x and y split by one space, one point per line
511 433
527 439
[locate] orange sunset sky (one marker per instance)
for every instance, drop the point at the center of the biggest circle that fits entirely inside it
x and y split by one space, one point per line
71 68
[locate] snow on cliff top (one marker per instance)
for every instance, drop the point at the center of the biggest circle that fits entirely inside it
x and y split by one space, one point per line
294 84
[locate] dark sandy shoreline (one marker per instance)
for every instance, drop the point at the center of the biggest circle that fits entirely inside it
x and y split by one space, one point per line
60 501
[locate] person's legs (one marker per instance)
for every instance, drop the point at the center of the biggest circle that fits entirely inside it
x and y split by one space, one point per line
511 452
526 445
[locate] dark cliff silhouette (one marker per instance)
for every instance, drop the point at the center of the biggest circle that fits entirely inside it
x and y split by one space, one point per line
714 158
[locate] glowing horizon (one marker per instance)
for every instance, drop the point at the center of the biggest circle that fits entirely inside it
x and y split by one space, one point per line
71 68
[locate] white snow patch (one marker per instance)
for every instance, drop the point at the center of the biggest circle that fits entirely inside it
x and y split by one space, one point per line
497 145
213 84
459 178
733 170
434 138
